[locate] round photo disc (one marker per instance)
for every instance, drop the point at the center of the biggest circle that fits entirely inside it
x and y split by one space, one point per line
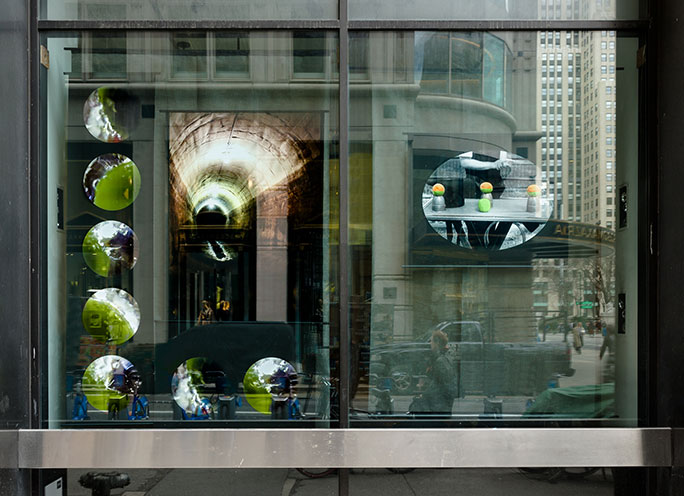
109 380
267 380
110 247
111 315
479 202
111 181
110 114
194 382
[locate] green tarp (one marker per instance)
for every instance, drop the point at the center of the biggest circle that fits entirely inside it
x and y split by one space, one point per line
593 401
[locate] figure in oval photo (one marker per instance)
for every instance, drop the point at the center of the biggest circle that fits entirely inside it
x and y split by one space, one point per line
111 315
111 114
480 202
110 247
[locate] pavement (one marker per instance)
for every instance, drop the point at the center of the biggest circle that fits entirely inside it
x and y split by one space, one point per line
363 482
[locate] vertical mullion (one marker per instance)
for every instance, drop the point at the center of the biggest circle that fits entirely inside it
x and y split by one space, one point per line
37 291
343 481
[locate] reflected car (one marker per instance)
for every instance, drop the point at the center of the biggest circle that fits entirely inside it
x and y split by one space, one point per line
484 368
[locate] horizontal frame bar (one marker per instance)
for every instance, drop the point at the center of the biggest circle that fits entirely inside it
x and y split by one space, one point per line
484 25
343 448
532 25
83 25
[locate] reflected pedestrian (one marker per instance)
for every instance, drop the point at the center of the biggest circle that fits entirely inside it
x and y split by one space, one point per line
206 315
577 337
608 346
441 384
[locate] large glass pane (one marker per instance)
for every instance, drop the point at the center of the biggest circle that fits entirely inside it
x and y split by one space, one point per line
495 9
488 257
178 10
192 261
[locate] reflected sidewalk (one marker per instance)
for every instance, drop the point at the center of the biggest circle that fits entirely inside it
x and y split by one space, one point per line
371 482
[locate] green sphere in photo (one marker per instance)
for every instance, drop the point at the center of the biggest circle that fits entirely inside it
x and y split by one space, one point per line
195 382
266 380
112 181
110 247
111 315
107 381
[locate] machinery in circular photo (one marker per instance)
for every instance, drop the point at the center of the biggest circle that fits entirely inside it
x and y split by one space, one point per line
111 315
111 114
268 381
111 181
196 386
110 247
108 381
480 202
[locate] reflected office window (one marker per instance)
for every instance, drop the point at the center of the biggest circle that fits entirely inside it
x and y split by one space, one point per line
189 59
231 55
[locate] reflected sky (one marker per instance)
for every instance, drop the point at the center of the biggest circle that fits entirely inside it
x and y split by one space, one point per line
111 315
110 247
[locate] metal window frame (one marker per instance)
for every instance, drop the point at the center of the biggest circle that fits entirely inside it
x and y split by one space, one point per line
341 448
344 447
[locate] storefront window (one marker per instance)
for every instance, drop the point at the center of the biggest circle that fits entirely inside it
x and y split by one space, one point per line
193 273
485 280
193 180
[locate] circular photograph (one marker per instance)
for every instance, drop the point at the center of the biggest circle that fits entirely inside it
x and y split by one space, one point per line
108 381
111 114
111 315
111 181
110 247
194 383
268 380
479 202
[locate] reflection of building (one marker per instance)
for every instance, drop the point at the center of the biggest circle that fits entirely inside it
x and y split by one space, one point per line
447 93
578 150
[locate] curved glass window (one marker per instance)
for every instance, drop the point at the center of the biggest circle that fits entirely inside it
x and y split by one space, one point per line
468 64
